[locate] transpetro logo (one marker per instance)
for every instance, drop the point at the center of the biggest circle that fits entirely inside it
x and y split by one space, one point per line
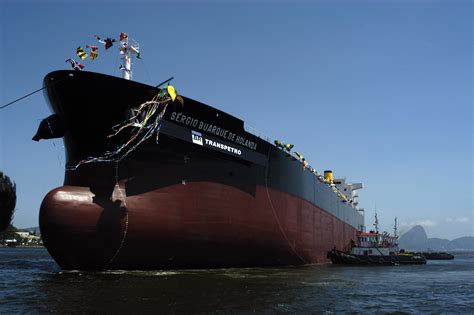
196 137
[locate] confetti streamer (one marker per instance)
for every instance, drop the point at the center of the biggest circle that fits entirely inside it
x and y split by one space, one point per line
146 121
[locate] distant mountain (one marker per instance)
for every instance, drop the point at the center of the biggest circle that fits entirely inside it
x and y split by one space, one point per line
416 239
462 243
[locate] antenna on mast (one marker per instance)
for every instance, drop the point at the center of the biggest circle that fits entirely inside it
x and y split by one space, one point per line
395 229
376 223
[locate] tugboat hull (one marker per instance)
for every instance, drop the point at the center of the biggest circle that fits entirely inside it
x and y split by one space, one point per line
343 258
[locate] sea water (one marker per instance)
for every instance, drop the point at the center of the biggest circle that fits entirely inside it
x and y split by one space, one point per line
31 282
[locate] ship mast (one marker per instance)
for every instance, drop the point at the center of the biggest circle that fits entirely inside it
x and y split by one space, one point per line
376 223
395 229
129 47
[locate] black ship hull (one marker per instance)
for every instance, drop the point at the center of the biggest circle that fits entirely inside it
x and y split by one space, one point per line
206 194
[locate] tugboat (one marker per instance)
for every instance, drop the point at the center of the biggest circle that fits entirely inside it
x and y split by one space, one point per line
374 248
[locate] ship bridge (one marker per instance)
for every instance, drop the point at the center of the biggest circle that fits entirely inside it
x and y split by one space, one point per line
349 190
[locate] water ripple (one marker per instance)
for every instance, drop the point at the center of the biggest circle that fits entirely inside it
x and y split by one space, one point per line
32 283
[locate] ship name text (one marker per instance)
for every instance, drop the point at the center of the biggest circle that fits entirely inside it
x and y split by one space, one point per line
212 129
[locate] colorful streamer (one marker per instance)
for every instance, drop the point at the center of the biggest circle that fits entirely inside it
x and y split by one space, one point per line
123 36
171 92
75 65
81 53
94 53
299 155
146 121
108 42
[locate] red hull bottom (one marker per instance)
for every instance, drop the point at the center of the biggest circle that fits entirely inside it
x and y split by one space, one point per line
196 225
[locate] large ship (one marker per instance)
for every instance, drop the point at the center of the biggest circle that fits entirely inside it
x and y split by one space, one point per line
205 192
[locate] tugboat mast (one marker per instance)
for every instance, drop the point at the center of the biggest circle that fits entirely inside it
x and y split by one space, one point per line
395 229
376 223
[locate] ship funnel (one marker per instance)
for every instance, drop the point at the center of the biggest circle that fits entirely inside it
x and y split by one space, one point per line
328 176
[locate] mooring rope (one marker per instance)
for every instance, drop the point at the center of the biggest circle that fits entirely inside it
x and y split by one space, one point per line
274 213
125 232
19 99
29 94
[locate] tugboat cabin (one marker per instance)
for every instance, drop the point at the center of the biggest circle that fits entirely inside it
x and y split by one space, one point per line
375 244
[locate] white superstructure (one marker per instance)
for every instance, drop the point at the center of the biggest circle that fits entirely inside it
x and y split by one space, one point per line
348 190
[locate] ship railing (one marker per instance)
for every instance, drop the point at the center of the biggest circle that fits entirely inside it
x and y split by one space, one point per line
260 135
257 133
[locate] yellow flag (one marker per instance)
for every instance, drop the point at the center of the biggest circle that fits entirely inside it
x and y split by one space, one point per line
172 92
80 53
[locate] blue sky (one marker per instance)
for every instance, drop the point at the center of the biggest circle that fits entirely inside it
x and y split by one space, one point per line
378 91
